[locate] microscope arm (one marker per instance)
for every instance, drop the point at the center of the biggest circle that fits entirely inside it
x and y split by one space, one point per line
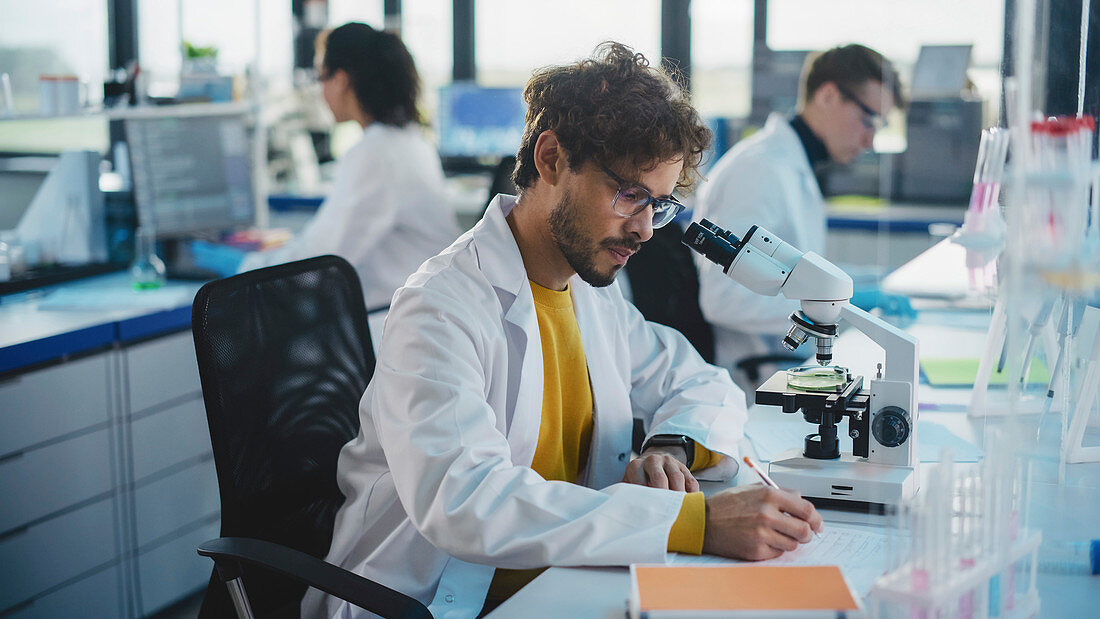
901 347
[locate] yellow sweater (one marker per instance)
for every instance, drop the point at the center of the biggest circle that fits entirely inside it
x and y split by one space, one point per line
565 431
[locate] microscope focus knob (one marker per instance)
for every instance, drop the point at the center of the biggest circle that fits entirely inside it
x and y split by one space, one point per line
890 426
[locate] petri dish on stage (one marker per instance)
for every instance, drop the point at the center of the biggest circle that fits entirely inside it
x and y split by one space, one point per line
827 378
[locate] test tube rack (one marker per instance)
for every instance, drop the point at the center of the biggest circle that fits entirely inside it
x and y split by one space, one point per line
962 551
897 594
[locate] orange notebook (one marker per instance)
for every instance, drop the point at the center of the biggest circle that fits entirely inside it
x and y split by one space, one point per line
671 591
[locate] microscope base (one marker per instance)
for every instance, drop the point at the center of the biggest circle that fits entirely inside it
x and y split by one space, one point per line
847 478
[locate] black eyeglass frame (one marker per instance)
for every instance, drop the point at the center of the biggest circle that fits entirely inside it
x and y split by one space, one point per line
870 118
661 206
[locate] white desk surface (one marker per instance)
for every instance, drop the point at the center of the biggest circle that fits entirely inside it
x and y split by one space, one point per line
1067 511
23 318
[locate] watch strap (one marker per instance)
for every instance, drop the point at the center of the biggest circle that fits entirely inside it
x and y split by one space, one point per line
673 440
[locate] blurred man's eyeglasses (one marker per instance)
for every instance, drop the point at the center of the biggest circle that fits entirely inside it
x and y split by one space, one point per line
870 118
632 199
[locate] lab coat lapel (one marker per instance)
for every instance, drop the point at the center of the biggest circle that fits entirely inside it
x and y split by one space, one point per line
611 413
500 261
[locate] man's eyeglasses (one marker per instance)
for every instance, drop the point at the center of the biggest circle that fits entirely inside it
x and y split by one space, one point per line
632 199
870 118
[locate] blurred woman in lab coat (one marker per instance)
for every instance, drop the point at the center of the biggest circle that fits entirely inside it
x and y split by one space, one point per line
387 211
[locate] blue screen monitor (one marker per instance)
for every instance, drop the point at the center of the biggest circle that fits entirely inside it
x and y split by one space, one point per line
480 122
192 173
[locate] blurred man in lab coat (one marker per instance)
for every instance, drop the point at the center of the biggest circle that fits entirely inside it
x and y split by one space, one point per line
769 180
496 433
387 211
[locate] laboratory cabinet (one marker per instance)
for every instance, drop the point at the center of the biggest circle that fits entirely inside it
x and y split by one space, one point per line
174 488
107 479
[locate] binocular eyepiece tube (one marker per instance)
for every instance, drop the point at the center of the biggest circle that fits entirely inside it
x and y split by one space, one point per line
718 245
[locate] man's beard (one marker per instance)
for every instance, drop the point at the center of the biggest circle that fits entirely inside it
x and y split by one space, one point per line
578 248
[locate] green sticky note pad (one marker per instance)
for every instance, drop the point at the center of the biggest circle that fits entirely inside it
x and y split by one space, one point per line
961 372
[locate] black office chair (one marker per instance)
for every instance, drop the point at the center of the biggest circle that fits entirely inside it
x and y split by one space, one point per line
665 286
284 355
502 180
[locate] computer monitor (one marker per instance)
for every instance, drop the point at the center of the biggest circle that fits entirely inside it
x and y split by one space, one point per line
480 122
191 174
940 71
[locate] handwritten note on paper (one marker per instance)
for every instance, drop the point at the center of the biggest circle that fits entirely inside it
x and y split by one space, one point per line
860 552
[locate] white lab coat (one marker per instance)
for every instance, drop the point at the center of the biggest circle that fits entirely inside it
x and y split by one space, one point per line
438 483
386 213
764 180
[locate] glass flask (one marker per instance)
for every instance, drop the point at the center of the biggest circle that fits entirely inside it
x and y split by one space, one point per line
147 270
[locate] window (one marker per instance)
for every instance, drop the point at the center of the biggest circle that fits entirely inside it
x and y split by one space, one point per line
514 38
53 37
427 31
369 12
897 29
231 26
721 56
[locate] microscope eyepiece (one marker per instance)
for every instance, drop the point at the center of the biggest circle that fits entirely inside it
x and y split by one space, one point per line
718 245
730 237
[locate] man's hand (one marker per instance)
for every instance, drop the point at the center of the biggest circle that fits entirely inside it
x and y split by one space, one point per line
757 522
661 467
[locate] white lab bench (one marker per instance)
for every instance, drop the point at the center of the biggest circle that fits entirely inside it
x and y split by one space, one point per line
105 463
1067 511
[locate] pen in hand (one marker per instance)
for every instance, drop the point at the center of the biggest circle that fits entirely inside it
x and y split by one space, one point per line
767 481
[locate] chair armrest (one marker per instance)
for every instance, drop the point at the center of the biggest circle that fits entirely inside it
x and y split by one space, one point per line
316 573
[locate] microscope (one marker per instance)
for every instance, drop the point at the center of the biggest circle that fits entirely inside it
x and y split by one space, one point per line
881 470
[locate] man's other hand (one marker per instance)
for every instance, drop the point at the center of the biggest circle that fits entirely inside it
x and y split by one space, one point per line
661 467
757 522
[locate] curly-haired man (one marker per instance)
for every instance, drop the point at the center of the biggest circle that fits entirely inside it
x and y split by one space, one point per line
496 432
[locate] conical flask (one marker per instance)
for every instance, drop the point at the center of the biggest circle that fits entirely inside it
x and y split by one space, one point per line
147 270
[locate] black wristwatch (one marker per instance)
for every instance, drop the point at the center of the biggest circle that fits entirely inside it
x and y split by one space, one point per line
673 440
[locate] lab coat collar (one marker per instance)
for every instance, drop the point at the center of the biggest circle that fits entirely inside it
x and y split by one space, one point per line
497 251
781 128
501 263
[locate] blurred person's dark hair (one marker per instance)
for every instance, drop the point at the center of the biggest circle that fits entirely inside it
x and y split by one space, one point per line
380 68
848 66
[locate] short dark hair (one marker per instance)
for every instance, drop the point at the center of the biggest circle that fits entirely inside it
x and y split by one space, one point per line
612 108
380 67
849 66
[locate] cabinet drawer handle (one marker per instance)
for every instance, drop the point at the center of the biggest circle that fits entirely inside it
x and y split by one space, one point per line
15 455
14 533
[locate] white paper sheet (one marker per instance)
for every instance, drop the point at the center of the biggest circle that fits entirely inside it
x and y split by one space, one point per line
861 553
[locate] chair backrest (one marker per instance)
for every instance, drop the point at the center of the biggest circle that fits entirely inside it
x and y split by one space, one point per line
502 180
665 287
284 355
